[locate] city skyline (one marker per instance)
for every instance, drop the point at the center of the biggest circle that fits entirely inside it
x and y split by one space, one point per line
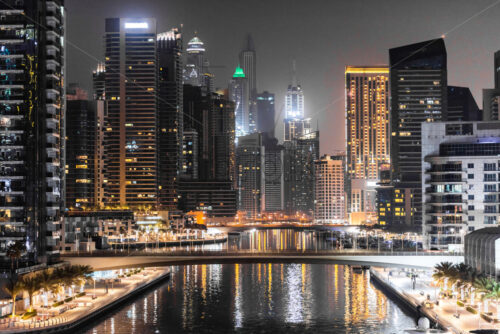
320 64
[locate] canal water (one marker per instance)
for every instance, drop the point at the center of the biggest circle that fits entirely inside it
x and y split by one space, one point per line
270 240
260 298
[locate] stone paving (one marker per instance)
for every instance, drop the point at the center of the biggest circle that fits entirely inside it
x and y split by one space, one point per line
453 317
82 306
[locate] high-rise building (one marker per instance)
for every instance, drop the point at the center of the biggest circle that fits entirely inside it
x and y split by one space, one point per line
367 136
248 62
190 155
418 82
298 168
273 174
196 71
98 82
170 117
296 128
250 170
265 113
81 143
294 102
208 177
491 97
329 200
32 133
239 93
461 105
460 172
130 139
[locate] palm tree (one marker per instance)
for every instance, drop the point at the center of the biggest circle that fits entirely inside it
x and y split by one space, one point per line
13 288
30 284
58 274
15 251
47 283
442 271
83 274
494 293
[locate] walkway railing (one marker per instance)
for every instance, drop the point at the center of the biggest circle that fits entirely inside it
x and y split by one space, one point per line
245 252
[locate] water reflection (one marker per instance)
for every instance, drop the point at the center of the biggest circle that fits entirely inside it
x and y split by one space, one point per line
290 298
268 240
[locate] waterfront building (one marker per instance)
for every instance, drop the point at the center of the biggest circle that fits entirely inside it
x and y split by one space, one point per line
298 168
239 93
266 113
130 139
170 117
385 196
418 85
461 105
32 132
217 199
329 195
460 172
196 70
482 251
90 230
250 165
248 62
273 174
81 134
367 137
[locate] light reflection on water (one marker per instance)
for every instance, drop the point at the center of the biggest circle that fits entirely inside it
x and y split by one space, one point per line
267 240
260 298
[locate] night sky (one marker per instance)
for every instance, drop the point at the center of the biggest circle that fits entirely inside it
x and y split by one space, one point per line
322 36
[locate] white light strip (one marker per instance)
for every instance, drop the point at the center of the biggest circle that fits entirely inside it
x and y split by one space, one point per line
136 25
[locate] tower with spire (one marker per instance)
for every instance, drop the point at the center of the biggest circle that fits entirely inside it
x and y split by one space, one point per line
296 125
248 63
196 70
239 94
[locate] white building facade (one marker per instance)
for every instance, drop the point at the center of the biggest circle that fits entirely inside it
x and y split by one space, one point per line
461 180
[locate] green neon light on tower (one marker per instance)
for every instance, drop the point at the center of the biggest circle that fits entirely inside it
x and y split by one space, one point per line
238 73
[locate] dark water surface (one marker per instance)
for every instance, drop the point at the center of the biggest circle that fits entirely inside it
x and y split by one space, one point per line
260 298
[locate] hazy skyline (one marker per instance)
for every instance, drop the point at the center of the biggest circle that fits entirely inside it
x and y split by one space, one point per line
322 36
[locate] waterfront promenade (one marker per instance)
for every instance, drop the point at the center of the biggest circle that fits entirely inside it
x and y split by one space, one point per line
448 313
96 301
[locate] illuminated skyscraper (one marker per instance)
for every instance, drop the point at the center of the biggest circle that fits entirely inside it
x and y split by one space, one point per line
98 81
239 94
170 118
248 62
130 139
367 136
250 169
32 131
196 70
298 168
329 200
294 102
418 82
491 97
295 125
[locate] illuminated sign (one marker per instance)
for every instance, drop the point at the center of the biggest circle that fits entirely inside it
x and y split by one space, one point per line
136 25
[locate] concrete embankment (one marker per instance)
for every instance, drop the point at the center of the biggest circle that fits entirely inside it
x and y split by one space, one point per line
92 315
409 302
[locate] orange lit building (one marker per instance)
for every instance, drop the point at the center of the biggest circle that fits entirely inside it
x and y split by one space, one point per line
367 136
